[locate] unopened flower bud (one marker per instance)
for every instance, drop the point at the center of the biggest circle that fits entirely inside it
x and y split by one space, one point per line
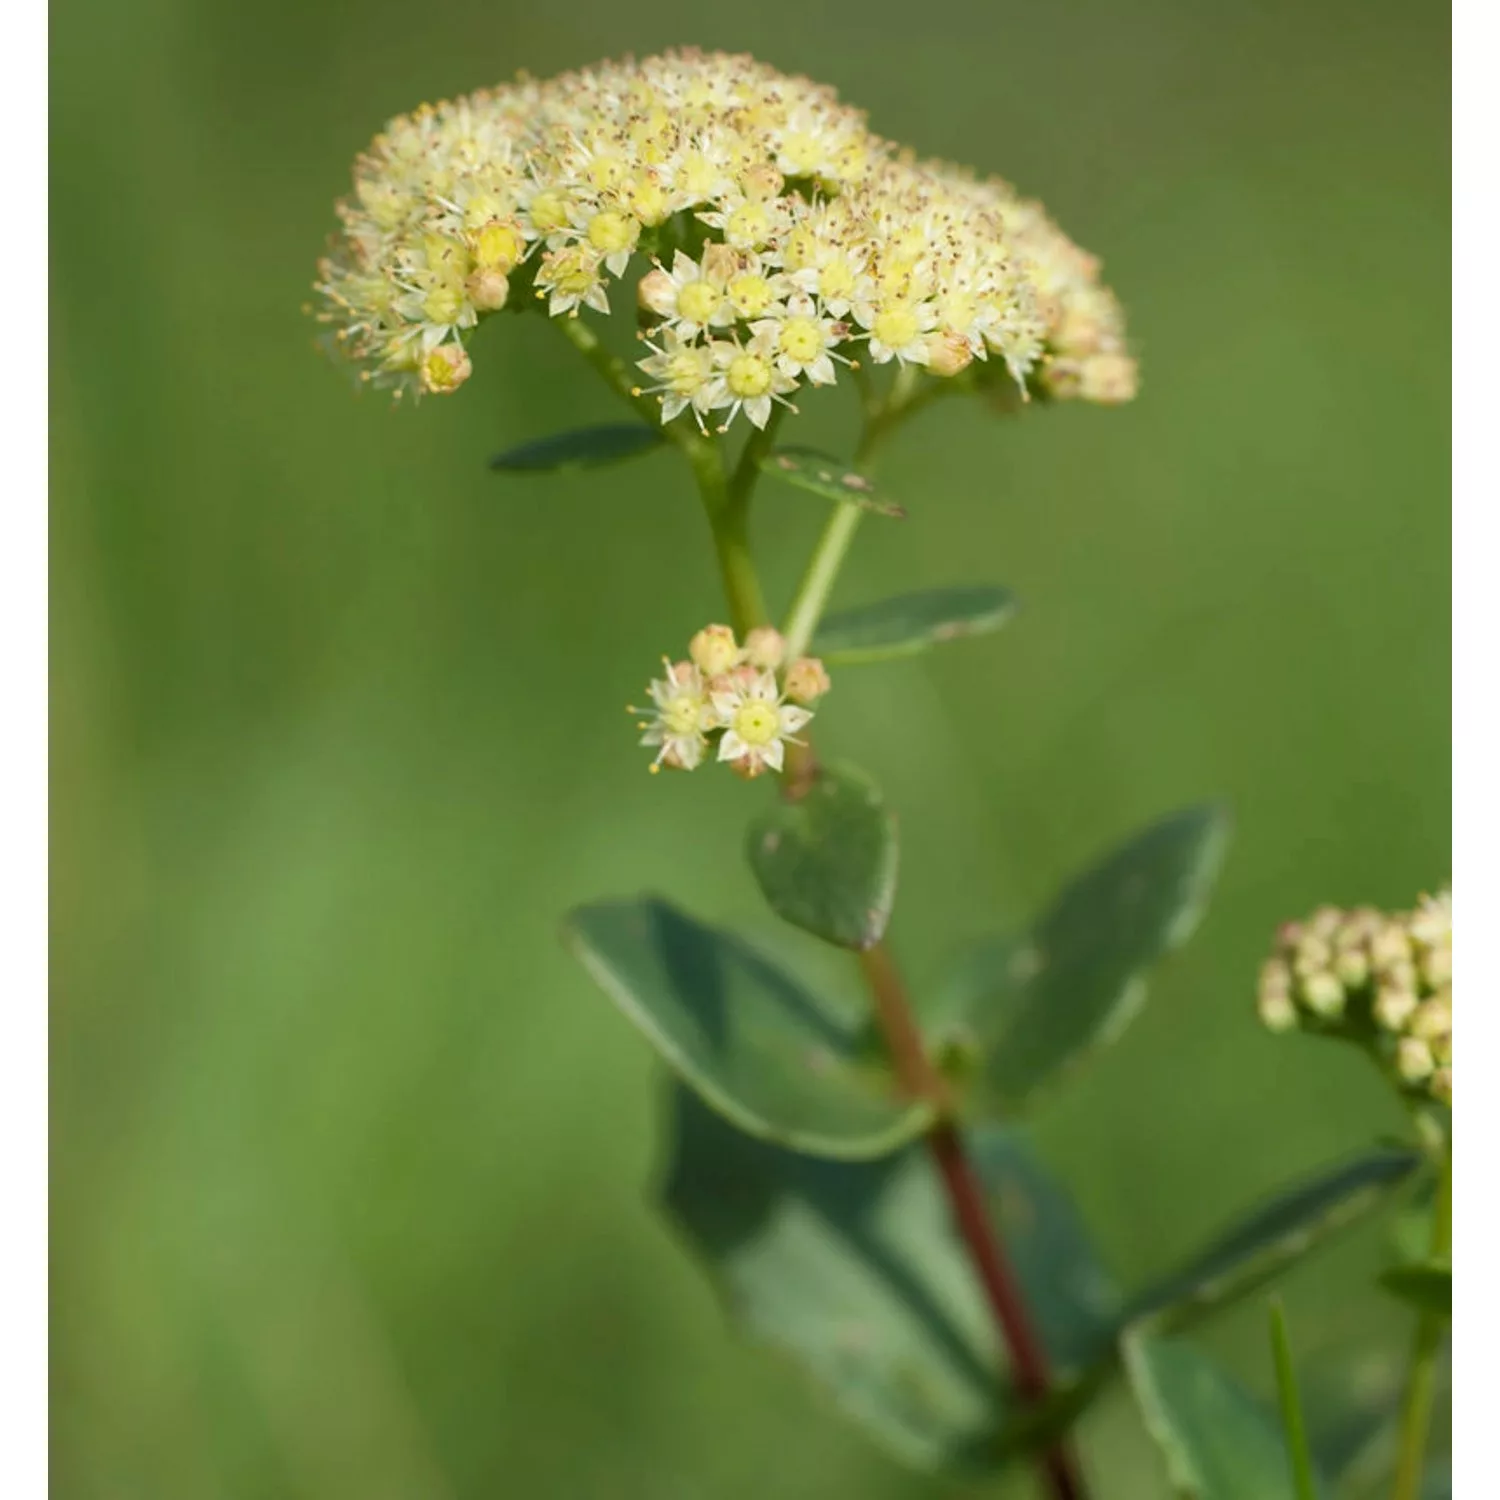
1390 945
445 369
1352 967
1275 977
1109 379
806 680
1323 995
1413 1059
714 649
761 180
1440 1085
764 648
1437 966
657 293
1431 1019
488 288
1393 1006
1277 1010
948 354
1313 956
1325 922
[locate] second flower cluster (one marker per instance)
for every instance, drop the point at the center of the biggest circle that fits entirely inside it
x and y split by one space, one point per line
747 699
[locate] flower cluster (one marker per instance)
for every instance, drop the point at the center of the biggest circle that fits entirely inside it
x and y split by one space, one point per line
1383 980
783 239
740 693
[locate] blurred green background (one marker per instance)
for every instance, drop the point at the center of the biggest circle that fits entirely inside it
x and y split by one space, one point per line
349 1157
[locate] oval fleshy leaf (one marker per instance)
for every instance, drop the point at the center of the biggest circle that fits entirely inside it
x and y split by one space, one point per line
583 448
808 469
1037 1005
1425 1285
1218 1442
756 1045
1280 1230
827 861
911 623
852 1269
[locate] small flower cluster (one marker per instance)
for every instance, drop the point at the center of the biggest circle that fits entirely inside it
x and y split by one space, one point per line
1385 980
784 239
741 693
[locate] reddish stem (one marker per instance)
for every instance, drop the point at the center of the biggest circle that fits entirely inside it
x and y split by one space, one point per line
1028 1359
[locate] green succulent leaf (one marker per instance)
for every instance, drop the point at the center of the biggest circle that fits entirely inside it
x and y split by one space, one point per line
1035 1006
583 448
808 469
746 1036
1425 1285
1218 1442
911 623
1276 1233
827 862
853 1271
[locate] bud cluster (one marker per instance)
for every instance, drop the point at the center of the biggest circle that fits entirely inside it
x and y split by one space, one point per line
1384 980
746 698
779 239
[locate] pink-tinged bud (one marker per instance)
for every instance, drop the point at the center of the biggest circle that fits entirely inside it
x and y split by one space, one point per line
714 649
806 680
764 648
948 354
1109 379
657 293
720 262
761 181
488 289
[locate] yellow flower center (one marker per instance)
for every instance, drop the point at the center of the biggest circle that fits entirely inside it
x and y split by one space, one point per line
802 151
836 279
683 715
649 201
748 225
570 273
482 207
443 304
610 231
896 327
698 175
750 294
698 301
748 376
549 211
685 371
757 723
801 249
606 171
498 247
802 339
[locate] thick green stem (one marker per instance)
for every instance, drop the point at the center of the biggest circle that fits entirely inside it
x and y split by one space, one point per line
1421 1375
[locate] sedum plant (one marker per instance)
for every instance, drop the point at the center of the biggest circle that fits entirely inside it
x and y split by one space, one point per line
718 241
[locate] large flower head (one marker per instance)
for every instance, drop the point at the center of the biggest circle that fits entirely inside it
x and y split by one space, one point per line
770 230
